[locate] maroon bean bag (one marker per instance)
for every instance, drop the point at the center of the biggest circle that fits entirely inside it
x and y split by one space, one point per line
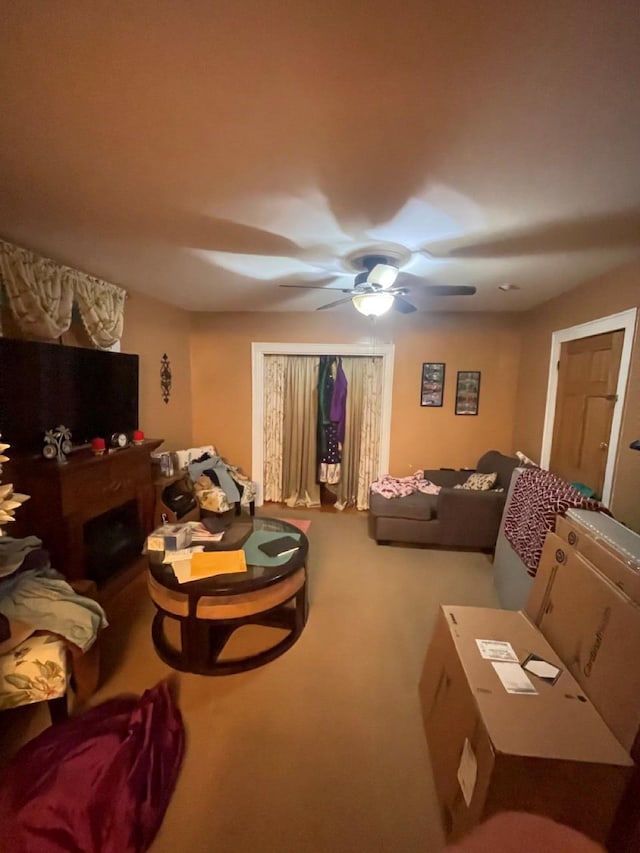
97 783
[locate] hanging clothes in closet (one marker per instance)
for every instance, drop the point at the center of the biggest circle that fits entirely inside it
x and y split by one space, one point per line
332 408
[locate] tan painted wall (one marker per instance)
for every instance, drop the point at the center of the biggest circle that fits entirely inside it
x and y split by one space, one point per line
608 294
420 437
152 328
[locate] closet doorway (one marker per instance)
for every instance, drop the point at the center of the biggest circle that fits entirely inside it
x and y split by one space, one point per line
267 370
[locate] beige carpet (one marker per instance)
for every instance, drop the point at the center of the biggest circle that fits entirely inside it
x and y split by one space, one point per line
321 750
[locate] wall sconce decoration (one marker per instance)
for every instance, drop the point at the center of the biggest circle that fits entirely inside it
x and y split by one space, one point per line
165 377
57 443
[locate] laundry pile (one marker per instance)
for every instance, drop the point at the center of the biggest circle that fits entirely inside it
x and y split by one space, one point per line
400 487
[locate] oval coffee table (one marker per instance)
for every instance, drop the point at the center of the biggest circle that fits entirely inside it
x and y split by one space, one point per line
271 593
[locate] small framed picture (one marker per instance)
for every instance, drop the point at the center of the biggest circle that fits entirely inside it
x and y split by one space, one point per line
432 386
467 392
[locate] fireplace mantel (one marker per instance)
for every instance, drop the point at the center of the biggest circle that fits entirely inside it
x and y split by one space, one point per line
65 497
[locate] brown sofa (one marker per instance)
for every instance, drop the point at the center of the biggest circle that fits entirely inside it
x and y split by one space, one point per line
458 518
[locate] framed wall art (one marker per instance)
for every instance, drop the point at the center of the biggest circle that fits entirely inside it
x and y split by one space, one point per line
432 385
467 392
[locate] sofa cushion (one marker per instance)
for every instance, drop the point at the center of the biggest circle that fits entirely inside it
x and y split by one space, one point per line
416 506
503 465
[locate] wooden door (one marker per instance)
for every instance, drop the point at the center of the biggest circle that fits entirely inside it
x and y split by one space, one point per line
586 396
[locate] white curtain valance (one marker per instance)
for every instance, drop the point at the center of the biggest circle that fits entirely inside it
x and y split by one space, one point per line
41 294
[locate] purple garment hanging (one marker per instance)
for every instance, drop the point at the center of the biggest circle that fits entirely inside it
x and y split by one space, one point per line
338 410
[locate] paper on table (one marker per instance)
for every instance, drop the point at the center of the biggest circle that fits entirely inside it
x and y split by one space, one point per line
497 650
211 563
199 533
184 554
207 564
513 678
182 570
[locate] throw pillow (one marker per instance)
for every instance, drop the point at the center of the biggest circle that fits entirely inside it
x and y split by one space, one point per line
480 482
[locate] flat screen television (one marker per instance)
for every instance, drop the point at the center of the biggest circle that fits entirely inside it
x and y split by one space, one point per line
92 392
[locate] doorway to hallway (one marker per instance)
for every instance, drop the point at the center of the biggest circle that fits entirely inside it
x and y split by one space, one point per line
625 322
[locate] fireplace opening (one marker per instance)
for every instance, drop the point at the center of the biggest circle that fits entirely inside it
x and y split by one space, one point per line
112 541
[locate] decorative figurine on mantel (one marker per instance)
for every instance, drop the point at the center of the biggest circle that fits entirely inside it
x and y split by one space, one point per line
57 443
9 500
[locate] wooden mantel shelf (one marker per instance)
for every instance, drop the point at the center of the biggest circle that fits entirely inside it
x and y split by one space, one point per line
64 497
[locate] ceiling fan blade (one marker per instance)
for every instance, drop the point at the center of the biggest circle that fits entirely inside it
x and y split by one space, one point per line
403 306
319 287
333 304
319 284
449 289
409 279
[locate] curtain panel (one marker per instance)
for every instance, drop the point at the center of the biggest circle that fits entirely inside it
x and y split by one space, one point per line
371 420
41 294
274 369
299 465
361 449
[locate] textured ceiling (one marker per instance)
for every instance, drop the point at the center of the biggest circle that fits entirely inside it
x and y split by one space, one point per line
203 153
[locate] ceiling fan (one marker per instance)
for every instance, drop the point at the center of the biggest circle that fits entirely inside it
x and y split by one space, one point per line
381 285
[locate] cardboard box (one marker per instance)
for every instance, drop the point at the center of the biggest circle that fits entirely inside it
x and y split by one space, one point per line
595 536
547 752
595 628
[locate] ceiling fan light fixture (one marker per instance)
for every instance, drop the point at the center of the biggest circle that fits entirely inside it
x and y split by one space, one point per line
384 275
373 304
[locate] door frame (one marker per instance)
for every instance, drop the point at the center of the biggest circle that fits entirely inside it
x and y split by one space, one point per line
258 352
625 320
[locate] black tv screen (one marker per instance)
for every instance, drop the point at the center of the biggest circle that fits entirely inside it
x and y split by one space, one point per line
93 392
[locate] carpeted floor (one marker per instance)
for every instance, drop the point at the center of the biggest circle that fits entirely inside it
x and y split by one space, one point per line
321 750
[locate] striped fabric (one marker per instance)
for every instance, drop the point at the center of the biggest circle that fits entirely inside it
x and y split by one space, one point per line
538 496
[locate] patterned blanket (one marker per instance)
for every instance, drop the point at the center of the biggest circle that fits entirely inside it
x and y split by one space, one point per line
400 487
538 496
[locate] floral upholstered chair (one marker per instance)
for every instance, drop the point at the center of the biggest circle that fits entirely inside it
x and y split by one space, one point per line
205 469
39 666
37 669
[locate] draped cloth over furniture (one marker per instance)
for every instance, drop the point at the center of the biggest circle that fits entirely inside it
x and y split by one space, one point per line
41 294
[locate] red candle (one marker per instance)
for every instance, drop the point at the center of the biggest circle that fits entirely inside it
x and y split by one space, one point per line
138 436
98 445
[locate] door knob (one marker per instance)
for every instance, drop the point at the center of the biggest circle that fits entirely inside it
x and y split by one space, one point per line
603 445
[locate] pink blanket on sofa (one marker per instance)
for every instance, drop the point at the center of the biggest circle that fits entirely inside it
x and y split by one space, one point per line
399 487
